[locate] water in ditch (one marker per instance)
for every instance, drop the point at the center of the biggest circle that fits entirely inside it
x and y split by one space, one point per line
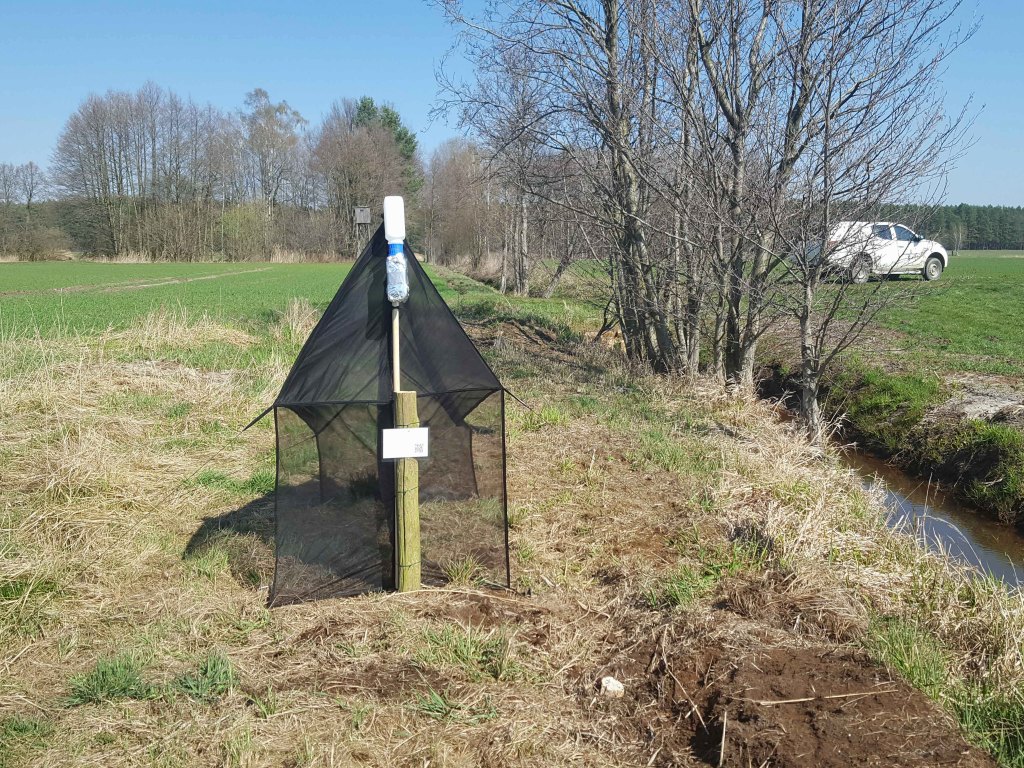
945 525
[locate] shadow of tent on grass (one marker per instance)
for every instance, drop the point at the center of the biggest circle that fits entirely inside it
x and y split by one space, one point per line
241 541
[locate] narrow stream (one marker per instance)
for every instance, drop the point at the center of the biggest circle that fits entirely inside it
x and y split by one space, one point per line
944 524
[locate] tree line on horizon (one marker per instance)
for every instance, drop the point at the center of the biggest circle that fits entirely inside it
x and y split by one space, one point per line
153 175
978 227
150 174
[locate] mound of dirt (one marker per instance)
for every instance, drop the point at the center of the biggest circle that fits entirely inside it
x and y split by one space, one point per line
787 707
790 707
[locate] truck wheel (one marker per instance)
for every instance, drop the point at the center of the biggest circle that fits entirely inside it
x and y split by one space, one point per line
860 270
933 268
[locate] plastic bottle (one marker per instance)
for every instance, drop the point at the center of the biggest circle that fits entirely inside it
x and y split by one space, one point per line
394 233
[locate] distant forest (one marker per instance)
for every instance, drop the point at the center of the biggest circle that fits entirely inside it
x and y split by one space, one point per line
976 227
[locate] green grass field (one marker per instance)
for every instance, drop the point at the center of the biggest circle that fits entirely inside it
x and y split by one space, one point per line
965 322
970 319
101 296
59 298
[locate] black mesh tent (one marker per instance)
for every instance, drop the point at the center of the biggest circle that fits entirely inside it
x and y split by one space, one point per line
335 505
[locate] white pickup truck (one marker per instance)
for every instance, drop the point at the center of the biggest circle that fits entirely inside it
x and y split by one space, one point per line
863 249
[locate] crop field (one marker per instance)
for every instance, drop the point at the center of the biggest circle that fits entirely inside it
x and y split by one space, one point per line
970 320
667 534
59 298
77 297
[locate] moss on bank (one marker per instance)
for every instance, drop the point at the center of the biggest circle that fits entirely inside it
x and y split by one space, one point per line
882 408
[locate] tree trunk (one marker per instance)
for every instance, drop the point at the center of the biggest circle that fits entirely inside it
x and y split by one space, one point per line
523 259
504 257
563 265
810 372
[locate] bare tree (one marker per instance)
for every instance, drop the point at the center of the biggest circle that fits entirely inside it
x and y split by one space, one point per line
874 130
593 85
718 137
10 184
271 138
359 160
31 181
456 208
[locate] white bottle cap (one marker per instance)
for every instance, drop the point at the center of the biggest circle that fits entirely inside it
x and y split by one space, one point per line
394 219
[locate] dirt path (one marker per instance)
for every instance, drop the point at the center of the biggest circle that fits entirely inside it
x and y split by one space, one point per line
131 285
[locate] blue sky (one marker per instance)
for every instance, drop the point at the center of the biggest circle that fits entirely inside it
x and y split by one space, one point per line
53 54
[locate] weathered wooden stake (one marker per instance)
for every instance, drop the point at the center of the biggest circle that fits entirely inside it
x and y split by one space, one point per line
407 501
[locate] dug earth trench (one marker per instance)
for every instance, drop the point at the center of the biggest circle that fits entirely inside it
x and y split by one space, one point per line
788 706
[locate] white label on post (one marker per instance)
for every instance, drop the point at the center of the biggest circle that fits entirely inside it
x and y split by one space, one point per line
409 443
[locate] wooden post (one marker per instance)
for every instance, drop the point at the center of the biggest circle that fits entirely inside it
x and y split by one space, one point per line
407 501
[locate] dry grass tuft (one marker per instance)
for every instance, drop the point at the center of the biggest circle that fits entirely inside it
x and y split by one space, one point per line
166 327
297 321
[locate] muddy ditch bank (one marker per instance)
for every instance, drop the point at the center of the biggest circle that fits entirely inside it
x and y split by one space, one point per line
963 434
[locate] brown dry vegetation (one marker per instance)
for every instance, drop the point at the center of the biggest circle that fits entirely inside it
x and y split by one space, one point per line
678 539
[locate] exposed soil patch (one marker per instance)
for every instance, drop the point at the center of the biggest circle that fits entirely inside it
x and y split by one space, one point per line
983 397
792 707
784 706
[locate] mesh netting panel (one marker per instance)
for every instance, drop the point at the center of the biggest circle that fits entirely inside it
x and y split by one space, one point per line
347 358
335 498
333 527
462 493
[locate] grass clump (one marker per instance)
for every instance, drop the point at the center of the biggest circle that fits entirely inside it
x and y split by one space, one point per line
463 572
19 734
266 705
440 706
683 588
111 679
214 677
259 483
478 655
690 582
244 553
993 722
20 597
547 416
658 448
910 650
